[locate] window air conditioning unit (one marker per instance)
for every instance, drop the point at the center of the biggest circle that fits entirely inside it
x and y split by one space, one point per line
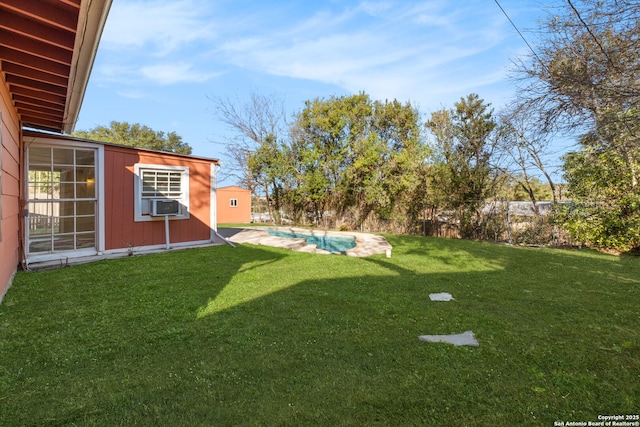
164 207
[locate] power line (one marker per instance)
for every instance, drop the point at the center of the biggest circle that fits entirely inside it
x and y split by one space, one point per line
593 36
519 33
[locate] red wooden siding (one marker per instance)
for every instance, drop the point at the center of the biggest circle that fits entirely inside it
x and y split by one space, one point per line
10 190
122 231
227 214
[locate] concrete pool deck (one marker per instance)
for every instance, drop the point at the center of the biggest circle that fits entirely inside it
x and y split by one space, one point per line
366 244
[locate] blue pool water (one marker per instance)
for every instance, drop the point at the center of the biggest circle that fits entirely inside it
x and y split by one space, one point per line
327 243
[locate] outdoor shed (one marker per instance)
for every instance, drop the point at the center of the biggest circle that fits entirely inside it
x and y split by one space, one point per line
234 205
63 198
86 198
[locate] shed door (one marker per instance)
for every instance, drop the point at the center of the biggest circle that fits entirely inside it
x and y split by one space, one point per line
61 200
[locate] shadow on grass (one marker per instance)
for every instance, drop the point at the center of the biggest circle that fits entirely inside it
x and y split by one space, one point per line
261 336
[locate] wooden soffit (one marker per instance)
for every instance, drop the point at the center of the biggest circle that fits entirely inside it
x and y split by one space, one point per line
47 49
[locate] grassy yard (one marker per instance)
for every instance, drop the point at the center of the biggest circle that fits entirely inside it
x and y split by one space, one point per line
264 336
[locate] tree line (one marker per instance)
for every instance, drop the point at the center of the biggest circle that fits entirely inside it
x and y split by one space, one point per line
358 159
136 135
353 160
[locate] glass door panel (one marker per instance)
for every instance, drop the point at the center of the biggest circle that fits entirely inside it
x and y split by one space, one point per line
62 199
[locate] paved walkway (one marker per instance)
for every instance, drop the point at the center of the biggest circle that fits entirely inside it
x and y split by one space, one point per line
366 244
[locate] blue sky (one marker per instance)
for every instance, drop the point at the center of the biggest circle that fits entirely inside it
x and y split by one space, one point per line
160 62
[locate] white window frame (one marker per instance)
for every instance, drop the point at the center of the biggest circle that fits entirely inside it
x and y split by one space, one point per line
142 210
100 212
233 203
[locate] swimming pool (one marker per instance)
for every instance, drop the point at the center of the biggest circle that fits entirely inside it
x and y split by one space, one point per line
333 244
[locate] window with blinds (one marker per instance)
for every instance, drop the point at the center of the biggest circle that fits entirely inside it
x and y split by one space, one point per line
164 183
161 184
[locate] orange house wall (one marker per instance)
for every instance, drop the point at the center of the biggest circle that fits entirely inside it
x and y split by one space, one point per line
121 231
10 191
227 214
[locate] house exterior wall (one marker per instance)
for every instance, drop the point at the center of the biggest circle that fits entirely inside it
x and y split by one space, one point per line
241 212
122 231
10 137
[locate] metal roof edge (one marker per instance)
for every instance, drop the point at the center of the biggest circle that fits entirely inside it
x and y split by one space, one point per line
41 134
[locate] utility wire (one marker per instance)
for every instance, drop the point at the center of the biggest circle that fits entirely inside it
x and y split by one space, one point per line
593 36
520 34
602 49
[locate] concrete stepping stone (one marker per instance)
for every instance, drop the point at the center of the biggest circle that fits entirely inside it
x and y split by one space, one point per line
465 338
442 296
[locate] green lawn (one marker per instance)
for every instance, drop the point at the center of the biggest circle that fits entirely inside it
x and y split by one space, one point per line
263 336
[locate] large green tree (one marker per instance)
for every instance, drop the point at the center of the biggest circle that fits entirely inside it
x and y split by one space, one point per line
606 210
358 157
321 136
136 135
464 145
348 159
585 77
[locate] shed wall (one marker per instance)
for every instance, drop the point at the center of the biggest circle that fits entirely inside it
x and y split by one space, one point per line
227 214
122 231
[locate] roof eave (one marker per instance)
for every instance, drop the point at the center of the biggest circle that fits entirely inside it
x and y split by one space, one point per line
92 18
53 134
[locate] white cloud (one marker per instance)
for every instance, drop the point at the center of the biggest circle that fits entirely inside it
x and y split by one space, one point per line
388 48
406 52
132 94
375 8
160 25
138 32
166 74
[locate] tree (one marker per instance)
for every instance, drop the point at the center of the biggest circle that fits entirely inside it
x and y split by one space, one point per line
464 147
350 157
523 146
136 135
270 169
585 78
321 136
511 188
606 212
258 144
360 157
586 66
